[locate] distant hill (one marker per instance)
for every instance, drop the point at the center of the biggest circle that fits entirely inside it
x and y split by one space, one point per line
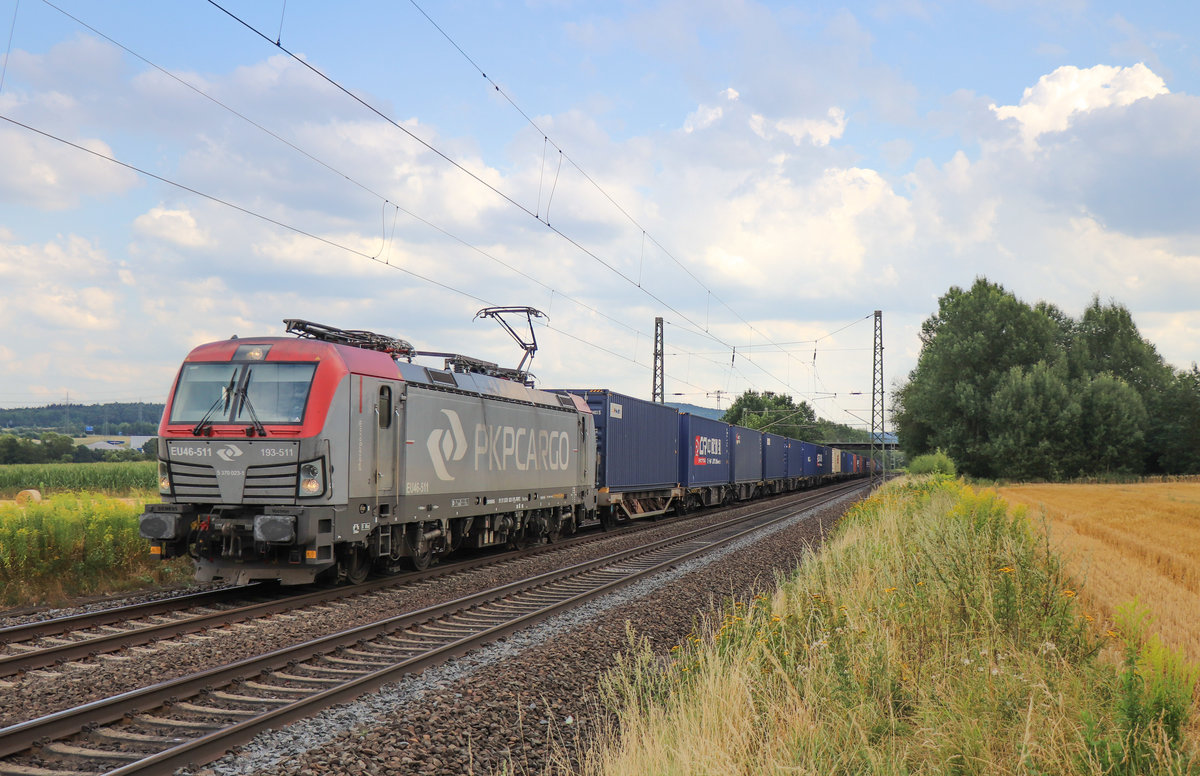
692 409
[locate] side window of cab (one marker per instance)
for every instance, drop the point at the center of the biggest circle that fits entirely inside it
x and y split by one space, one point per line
385 406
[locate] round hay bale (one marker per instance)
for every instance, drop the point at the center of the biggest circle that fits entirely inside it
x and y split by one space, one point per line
26 496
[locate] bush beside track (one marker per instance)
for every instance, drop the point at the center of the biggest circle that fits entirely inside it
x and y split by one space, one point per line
76 544
937 633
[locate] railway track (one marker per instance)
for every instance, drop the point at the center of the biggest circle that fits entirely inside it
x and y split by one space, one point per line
47 643
195 718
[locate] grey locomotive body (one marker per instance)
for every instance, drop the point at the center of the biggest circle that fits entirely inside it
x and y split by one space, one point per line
291 459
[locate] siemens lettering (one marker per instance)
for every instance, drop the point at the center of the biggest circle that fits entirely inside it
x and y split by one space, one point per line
526 448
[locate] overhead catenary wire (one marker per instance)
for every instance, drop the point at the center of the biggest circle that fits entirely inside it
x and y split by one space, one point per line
349 178
297 230
386 239
8 51
645 235
340 173
592 254
511 200
564 155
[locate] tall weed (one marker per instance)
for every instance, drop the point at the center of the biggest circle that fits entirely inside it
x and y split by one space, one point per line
70 544
937 633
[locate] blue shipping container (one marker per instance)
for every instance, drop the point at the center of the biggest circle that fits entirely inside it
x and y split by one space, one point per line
704 451
637 441
774 456
810 465
824 456
747 454
795 458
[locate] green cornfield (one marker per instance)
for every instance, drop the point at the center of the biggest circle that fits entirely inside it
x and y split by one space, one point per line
111 478
75 544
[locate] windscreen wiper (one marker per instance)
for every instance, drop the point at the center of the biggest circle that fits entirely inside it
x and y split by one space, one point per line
226 395
244 393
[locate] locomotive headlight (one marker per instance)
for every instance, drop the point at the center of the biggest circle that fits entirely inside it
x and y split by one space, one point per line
312 478
164 478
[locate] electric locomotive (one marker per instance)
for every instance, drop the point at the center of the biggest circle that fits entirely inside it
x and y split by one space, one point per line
332 453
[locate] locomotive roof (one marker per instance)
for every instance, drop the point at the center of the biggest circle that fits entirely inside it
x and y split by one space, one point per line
374 363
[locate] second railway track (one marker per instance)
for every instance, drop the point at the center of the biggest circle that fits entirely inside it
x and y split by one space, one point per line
197 717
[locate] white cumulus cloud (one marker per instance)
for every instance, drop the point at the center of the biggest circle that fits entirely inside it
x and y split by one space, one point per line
174 226
1050 105
819 132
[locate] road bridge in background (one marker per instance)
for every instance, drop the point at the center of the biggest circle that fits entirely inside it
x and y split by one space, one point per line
864 447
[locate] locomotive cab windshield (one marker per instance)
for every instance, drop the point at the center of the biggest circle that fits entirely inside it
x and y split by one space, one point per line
239 393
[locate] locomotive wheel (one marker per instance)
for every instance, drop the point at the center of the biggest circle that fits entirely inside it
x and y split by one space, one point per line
355 566
422 557
608 520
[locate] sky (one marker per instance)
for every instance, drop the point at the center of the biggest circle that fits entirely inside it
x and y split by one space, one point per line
763 176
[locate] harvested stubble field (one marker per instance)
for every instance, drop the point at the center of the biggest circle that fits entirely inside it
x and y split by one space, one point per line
1128 541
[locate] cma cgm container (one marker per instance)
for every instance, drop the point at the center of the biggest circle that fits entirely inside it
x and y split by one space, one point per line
747 454
774 456
706 457
637 441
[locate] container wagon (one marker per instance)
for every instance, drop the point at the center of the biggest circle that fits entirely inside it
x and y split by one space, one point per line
775 463
747 462
705 462
637 455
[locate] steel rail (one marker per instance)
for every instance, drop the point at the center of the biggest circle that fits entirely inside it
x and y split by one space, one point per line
21 661
46 656
24 735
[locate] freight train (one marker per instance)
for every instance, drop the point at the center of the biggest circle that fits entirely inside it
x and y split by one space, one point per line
332 454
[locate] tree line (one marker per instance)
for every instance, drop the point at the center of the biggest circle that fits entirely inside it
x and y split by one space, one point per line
781 414
116 418
50 447
1016 391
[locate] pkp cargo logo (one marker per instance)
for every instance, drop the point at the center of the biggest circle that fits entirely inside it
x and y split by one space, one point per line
446 445
228 453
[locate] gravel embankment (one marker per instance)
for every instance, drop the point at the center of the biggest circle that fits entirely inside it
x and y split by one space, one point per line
499 708
45 691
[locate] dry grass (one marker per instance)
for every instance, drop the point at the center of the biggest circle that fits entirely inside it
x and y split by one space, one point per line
1128 541
935 633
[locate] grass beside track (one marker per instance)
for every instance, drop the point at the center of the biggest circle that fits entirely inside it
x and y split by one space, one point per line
110 478
72 544
936 632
